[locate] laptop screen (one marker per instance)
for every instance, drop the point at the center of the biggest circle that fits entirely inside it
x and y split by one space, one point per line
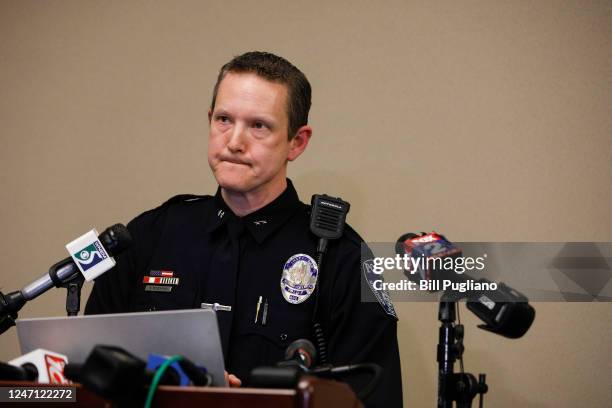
192 333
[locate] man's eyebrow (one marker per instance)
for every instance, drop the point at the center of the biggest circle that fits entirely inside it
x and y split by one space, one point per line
218 112
256 117
263 118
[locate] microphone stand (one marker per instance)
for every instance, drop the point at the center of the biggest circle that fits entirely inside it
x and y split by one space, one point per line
11 303
72 284
459 387
73 294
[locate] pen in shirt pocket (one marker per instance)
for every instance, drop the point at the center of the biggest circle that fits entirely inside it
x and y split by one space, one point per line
264 318
257 309
262 305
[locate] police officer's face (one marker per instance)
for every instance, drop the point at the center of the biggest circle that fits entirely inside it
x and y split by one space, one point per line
248 148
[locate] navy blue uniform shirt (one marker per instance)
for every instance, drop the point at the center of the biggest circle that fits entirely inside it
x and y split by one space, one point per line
221 258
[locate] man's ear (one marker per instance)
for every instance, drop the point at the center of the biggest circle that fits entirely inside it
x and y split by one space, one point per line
209 115
299 142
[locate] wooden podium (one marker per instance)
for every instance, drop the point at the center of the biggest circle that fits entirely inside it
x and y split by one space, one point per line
311 392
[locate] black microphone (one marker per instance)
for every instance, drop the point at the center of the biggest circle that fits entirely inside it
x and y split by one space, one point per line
511 318
301 353
505 311
300 357
112 373
26 372
118 375
114 239
43 366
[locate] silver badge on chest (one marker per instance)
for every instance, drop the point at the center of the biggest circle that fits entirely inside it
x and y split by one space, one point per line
299 278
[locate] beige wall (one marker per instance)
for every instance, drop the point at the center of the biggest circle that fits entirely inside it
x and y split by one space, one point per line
484 120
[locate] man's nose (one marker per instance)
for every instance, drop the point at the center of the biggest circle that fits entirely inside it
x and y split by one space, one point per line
236 142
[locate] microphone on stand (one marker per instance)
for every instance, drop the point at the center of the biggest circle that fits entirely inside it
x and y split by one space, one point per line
91 256
505 311
301 358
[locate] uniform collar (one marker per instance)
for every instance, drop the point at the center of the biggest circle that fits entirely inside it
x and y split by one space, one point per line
262 222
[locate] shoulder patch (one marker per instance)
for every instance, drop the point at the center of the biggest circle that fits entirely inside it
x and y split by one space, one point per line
382 296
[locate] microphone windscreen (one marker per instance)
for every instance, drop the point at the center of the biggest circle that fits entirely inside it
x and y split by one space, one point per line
302 349
400 247
72 371
9 372
116 239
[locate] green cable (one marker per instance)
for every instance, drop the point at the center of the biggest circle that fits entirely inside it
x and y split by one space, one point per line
157 378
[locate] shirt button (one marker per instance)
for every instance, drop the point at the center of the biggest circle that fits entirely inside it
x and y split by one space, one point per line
283 337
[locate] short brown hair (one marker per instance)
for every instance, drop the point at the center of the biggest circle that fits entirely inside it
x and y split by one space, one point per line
277 69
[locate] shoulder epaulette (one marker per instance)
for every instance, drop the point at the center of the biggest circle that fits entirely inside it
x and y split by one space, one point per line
182 198
352 235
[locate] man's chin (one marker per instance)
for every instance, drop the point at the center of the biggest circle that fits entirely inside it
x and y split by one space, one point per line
235 185
234 188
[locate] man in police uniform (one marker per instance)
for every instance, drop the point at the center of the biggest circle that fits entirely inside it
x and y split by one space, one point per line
237 247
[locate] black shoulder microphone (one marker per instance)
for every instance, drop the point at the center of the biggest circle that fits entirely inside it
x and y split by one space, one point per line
327 221
328 216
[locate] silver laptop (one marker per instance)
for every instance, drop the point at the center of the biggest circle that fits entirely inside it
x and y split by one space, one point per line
193 333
